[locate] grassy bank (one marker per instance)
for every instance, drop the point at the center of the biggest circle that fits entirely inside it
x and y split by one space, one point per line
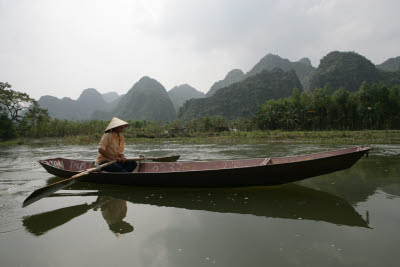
321 137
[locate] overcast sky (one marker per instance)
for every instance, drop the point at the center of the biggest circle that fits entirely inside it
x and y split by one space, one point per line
60 47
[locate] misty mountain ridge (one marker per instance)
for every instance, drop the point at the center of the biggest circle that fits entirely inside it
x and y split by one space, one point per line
80 109
302 67
392 64
146 100
179 94
350 70
234 76
242 99
110 96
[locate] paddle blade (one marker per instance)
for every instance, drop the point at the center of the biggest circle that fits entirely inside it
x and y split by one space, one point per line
46 191
167 159
41 223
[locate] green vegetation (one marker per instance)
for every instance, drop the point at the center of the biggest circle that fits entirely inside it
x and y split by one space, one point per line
19 113
240 137
372 107
200 130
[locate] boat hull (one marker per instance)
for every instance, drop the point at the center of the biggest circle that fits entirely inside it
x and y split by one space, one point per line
237 173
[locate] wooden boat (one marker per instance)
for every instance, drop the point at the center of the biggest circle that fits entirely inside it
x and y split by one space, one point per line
226 173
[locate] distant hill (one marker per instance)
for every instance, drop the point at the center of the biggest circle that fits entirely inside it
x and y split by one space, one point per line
89 101
179 94
80 109
350 70
58 108
389 78
236 96
241 99
302 67
110 96
233 76
146 100
392 64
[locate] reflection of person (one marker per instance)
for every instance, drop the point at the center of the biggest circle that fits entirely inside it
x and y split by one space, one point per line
111 147
114 211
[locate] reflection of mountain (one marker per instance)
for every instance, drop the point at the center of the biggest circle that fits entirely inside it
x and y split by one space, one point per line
287 202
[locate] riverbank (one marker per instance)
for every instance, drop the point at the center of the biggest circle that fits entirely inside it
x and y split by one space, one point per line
320 137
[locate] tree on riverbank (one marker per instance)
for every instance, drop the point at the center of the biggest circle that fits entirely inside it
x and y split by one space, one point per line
19 113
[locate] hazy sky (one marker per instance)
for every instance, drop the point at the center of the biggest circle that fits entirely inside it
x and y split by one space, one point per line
60 47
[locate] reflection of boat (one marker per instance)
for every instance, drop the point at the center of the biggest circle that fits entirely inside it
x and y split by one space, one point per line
113 211
287 202
227 173
41 223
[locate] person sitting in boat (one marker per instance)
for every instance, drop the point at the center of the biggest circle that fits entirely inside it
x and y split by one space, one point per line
111 147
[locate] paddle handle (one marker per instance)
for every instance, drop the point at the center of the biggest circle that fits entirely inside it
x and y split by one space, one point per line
157 159
137 159
92 169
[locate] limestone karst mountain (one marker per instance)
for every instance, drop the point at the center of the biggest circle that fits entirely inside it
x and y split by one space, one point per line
303 67
146 100
80 109
233 76
392 64
347 69
110 96
179 94
241 99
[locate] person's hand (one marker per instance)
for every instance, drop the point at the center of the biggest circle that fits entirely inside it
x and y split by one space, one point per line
122 158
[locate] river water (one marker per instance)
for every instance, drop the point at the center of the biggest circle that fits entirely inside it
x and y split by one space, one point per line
348 218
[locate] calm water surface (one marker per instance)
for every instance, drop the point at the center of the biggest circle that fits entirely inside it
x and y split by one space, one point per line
348 218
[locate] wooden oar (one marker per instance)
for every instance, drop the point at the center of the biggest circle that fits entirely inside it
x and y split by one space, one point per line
162 159
48 190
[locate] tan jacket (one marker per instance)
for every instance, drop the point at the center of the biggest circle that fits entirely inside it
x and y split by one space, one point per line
113 144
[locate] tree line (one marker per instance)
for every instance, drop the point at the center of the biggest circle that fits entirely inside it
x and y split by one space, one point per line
373 107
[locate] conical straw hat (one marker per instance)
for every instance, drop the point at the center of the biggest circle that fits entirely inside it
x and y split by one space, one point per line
114 123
